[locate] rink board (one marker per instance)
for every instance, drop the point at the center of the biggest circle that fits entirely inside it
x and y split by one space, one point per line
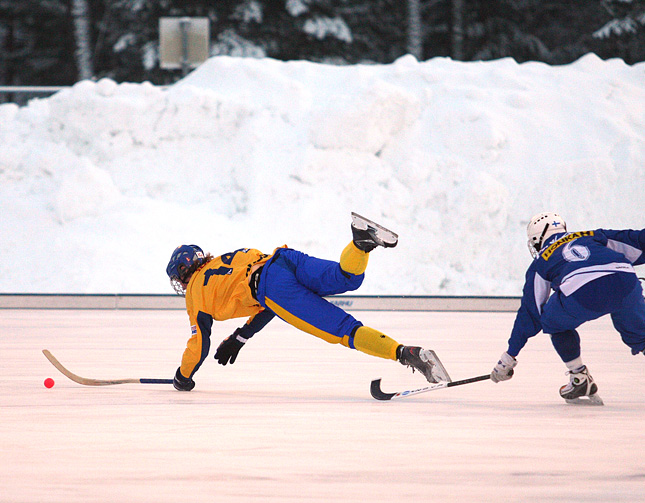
348 302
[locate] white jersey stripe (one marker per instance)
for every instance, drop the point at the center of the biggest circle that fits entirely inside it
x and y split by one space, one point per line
541 291
632 253
574 280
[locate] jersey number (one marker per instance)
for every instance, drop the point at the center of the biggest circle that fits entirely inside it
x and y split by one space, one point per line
227 259
220 271
575 253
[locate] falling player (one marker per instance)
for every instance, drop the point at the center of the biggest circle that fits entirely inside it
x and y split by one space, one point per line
291 285
590 274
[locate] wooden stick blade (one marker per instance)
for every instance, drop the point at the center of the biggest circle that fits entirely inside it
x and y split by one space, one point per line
98 382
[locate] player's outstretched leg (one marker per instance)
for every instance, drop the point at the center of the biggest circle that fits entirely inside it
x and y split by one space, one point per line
425 361
580 385
367 235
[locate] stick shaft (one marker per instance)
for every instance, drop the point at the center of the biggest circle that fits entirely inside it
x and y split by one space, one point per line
379 394
468 381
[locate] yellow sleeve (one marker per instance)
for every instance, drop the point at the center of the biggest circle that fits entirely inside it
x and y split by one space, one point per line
198 345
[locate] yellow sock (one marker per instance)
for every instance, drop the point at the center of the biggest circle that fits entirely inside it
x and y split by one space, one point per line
353 260
375 343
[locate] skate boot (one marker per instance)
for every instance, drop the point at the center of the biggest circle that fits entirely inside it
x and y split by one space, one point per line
367 235
425 361
581 388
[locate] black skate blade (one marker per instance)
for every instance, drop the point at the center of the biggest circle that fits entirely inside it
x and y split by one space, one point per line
592 400
385 237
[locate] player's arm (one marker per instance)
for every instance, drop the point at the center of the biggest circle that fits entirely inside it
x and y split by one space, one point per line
527 323
628 242
196 351
230 347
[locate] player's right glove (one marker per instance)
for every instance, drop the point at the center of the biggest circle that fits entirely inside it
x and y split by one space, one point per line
503 371
182 383
230 347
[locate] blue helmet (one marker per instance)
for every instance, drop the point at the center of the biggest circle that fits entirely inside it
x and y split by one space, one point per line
181 261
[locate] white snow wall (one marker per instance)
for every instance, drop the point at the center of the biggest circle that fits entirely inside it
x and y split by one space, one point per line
100 182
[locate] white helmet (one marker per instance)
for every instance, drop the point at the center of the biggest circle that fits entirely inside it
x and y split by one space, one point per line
541 227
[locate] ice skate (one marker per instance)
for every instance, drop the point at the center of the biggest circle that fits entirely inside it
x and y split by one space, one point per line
425 361
367 235
581 389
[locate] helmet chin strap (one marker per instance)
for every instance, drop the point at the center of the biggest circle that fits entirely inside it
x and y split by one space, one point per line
539 244
535 248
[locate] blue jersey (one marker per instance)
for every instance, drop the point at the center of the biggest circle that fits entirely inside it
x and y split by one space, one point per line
566 263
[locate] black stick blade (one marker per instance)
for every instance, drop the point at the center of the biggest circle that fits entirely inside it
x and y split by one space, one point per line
375 389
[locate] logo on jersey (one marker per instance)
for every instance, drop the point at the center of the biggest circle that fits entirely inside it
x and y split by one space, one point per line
546 254
575 253
193 329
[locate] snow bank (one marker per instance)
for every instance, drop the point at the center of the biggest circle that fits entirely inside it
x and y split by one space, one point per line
100 182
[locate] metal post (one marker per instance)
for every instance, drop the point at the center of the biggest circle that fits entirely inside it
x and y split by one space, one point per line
183 27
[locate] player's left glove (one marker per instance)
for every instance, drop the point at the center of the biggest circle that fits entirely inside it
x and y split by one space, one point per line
230 347
182 383
503 371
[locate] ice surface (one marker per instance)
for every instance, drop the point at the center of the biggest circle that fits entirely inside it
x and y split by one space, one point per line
100 182
293 420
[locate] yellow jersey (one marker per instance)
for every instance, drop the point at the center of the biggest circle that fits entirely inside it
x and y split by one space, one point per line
218 291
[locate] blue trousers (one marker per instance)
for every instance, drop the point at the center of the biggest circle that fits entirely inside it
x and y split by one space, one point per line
620 295
293 284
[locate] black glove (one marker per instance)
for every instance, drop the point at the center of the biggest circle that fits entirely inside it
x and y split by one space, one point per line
230 347
182 383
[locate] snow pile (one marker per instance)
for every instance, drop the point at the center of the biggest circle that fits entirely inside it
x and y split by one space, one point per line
100 182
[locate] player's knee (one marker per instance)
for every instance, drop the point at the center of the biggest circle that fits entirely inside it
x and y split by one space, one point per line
352 281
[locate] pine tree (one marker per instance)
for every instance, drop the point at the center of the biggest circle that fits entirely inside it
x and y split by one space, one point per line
36 44
498 29
415 29
83 53
457 30
624 34
628 16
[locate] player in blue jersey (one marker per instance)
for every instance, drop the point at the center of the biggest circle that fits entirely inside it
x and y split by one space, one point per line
576 277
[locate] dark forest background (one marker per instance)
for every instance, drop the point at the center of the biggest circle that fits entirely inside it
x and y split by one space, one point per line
58 42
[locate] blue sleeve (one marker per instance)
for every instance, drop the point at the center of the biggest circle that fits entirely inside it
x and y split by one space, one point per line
527 321
628 242
257 323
